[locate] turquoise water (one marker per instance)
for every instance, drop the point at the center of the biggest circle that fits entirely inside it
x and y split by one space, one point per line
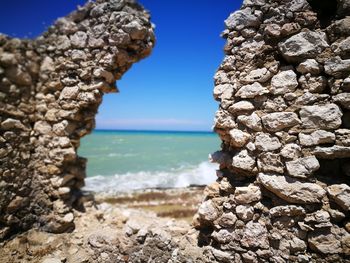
124 160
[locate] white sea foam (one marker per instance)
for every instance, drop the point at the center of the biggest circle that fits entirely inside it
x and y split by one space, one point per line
184 176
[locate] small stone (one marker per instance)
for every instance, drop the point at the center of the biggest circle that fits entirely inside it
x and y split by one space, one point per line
309 66
291 151
243 161
278 121
340 194
325 117
332 152
223 91
316 138
69 93
251 91
227 219
208 211
303 45
42 127
241 106
252 121
238 138
337 67
247 194
284 82
343 99
292 190
257 75
245 212
324 241
287 210
264 142
242 19
303 167
79 39
270 163
10 124
255 235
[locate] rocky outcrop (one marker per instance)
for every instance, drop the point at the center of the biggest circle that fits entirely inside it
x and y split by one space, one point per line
50 91
282 193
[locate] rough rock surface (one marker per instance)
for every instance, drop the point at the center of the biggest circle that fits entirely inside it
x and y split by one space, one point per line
50 90
287 161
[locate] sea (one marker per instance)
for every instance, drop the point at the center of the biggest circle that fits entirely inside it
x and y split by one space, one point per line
120 161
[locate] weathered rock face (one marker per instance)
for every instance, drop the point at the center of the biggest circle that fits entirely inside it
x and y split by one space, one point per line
50 90
284 120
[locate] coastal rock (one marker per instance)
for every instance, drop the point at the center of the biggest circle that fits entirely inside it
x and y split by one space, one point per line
255 236
264 142
239 138
340 194
303 167
303 45
247 194
324 117
292 190
316 138
278 121
251 91
284 82
208 211
242 19
337 67
343 99
243 161
332 152
309 66
252 121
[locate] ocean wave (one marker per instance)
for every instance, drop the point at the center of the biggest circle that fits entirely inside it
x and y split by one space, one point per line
204 173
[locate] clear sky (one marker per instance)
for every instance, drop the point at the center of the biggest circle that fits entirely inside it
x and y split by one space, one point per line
171 89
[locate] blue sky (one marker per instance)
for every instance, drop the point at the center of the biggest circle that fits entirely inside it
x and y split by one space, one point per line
171 89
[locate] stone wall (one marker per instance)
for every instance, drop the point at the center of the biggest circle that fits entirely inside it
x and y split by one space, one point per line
50 90
283 193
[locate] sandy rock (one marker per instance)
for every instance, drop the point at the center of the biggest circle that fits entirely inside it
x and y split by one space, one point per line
243 161
288 210
292 190
343 99
284 82
324 241
238 137
264 142
251 91
242 19
241 106
255 236
321 116
332 152
247 194
252 121
257 75
309 66
303 167
245 212
208 211
270 163
10 124
291 151
278 121
316 138
340 194
337 67
303 45
223 91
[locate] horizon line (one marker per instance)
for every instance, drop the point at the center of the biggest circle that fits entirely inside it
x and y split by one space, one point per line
149 130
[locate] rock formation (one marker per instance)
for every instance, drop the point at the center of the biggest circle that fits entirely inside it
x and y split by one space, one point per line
50 91
283 193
